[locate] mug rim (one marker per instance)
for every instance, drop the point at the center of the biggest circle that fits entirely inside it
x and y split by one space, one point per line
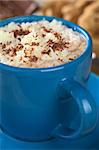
75 27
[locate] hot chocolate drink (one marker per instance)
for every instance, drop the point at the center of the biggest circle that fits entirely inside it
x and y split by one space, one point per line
39 44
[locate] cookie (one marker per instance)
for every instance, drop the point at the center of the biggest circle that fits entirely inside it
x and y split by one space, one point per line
96 45
81 4
52 7
72 11
90 21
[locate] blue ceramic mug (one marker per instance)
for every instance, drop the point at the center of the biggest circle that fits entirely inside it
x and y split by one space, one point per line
32 100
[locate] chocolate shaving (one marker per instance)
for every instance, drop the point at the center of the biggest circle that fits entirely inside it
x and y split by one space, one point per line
46 52
11 51
43 35
57 47
71 59
50 43
34 44
46 30
61 41
66 44
58 36
20 32
26 44
8 50
8 43
33 59
19 25
32 49
19 39
3 46
19 46
60 59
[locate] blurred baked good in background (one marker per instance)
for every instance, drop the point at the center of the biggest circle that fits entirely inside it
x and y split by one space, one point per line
90 21
73 10
67 9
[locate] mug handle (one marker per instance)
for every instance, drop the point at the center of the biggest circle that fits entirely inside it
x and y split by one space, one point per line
87 109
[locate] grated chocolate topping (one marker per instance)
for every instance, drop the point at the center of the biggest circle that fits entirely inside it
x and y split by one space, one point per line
20 32
33 59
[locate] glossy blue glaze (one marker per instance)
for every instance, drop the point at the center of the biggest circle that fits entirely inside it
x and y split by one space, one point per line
91 141
31 99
